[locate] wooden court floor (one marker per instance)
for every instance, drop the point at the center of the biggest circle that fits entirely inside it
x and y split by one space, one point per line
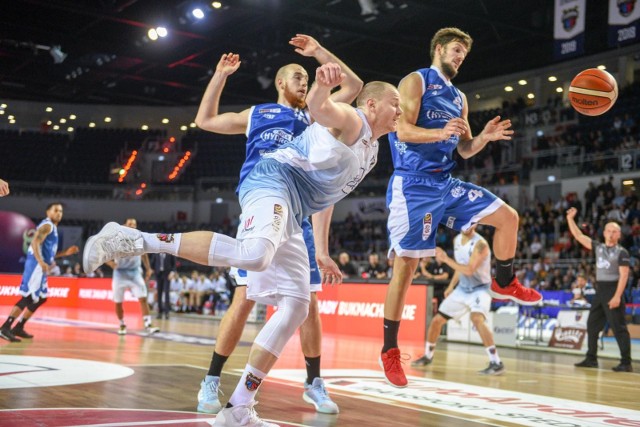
78 372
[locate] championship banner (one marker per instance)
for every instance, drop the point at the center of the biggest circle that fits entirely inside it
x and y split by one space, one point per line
568 28
624 16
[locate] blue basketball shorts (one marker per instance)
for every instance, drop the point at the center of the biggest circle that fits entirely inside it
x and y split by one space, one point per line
417 204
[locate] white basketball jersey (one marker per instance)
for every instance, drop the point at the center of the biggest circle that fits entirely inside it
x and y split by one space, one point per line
462 255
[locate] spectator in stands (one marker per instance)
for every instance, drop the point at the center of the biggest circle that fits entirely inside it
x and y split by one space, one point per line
375 270
175 292
4 188
608 304
535 248
346 266
437 270
577 289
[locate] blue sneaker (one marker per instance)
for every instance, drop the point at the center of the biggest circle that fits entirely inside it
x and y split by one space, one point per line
317 395
208 400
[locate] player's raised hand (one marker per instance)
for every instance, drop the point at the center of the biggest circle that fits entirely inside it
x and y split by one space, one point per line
228 64
305 45
496 129
329 75
571 213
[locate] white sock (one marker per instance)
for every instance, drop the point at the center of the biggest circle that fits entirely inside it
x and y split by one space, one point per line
247 387
147 320
429 349
121 322
160 242
493 354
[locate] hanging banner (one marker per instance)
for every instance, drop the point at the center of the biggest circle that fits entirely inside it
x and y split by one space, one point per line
624 16
568 28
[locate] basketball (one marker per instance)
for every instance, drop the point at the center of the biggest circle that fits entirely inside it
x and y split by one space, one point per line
593 92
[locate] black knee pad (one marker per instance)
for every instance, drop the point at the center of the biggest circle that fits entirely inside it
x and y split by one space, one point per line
24 302
34 305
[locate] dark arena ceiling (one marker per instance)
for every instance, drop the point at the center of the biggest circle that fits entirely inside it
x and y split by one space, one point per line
110 59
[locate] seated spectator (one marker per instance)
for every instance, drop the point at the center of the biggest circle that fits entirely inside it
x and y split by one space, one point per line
435 270
374 270
577 288
347 267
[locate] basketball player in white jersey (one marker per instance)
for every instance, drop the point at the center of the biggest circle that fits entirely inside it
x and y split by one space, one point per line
127 274
304 177
268 126
472 276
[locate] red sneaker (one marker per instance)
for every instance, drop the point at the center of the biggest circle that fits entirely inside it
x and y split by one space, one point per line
391 363
515 292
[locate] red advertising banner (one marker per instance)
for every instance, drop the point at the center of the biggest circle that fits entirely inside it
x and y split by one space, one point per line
358 309
70 292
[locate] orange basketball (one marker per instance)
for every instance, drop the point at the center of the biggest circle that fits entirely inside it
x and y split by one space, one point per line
593 92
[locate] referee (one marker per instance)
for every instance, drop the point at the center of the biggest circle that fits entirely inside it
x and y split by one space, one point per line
612 271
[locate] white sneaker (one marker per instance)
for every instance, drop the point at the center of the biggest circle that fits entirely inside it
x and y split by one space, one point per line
208 400
317 395
152 330
113 241
122 330
241 416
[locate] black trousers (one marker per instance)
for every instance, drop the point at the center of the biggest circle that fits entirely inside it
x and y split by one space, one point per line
163 288
599 314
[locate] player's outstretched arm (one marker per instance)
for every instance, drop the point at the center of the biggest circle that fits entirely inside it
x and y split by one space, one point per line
208 117
494 130
341 119
350 87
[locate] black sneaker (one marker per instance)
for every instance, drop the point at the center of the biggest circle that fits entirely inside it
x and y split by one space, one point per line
6 334
623 367
587 363
423 361
20 332
493 369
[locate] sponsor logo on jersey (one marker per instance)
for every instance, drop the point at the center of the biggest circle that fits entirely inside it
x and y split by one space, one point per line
433 86
603 263
278 212
458 191
269 110
439 115
458 101
450 221
248 224
401 147
277 135
269 116
164 237
252 382
426 225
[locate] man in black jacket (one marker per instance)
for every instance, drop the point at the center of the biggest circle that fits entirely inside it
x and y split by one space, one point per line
162 265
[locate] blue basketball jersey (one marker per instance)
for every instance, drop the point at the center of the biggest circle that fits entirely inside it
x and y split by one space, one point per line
270 126
49 246
441 102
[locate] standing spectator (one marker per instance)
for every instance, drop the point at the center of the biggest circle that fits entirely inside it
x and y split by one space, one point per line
163 264
612 271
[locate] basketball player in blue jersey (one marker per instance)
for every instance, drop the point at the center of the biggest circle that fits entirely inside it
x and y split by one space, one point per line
468 292
267 127
4 188
127 274
422 193
34 288
304 177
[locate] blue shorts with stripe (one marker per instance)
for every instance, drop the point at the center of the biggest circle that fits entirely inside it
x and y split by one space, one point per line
241 276
34 280
418 203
